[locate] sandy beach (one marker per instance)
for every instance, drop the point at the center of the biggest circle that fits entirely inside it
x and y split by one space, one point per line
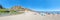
30 17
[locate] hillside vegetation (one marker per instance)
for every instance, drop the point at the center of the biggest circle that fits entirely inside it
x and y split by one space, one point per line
12 11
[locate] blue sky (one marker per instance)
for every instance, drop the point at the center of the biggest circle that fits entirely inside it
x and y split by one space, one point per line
38 5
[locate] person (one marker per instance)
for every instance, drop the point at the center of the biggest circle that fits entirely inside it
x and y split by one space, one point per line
42 14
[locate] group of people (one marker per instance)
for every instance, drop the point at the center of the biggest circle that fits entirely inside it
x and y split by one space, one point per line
54 13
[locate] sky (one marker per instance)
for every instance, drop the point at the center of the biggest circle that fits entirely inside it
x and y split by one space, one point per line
38 5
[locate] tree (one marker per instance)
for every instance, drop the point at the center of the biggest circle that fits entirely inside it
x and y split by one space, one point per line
1 7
